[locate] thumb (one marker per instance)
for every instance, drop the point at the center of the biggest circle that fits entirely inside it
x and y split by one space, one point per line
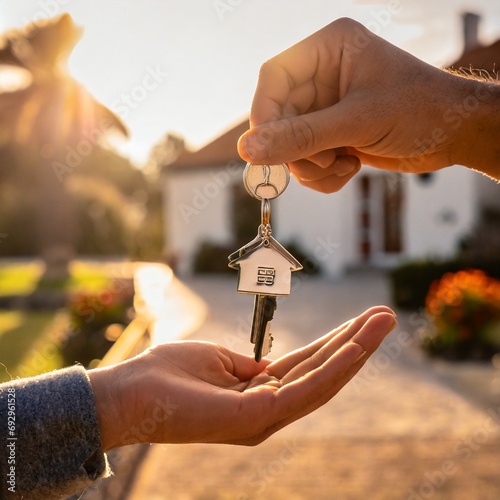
291 139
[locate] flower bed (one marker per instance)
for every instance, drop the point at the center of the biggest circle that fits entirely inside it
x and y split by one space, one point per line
464 308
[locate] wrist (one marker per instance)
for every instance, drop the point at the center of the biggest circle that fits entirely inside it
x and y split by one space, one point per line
105 385
477 122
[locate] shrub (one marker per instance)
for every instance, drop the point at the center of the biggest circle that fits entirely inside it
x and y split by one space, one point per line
212 258
91 315
410 282
310 265
465 310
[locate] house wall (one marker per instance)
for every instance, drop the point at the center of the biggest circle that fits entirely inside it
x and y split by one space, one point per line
439 213
436 215
489 192
323 225
197 208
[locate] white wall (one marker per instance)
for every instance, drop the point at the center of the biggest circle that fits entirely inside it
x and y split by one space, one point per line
489 191
322 224
439 213
197 206
436 215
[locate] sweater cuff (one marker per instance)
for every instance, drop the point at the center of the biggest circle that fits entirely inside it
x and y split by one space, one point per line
57 450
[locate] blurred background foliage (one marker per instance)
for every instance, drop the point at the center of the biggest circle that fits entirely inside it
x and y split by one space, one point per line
65 193
464 308
116 208
63 190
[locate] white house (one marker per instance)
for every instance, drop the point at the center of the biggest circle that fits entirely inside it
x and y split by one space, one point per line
378 218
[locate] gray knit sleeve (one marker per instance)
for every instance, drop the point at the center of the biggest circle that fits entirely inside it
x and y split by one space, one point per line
50 441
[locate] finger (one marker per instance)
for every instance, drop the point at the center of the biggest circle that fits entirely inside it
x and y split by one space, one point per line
414 165
303 396
245 367
293 69
331 183
293 138
375 323
307 170
369 338
342 334
325 158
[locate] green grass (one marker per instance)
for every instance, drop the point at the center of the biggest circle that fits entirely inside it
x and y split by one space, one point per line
19 279
30 341
28 344
23 278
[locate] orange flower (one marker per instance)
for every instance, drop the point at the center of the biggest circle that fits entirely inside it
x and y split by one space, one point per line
452 289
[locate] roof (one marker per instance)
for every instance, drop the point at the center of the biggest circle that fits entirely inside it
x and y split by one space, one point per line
485 58
218 152
257 244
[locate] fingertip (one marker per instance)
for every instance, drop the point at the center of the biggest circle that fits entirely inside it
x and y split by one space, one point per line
380 309
384 319
345 165
330 184
254 146
373 332
242 149
245 367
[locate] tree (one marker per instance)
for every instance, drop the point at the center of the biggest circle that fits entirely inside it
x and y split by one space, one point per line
165 152
55 118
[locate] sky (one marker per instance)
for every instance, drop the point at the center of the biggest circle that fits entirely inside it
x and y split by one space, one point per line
191 66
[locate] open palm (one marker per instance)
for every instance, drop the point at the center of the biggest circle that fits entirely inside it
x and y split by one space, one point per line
215 395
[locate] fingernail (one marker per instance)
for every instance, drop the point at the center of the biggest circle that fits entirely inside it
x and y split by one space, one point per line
257 147
345 166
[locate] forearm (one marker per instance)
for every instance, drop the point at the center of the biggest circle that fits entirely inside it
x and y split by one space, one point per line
476 120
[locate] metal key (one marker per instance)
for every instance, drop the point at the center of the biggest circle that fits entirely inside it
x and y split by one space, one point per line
263 312
264 265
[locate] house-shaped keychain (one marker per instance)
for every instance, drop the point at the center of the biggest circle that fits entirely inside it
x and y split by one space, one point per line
264 267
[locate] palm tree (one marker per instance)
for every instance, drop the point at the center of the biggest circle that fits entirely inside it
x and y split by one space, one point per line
49 118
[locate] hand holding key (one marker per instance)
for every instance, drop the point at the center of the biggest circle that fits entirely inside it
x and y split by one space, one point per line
204 393
344 95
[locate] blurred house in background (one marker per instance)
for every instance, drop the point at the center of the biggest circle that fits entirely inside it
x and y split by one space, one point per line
379 218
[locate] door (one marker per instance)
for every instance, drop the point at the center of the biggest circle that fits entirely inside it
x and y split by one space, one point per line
380 213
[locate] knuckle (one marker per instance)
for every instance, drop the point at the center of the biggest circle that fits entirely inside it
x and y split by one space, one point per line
300 134
345 24
266 68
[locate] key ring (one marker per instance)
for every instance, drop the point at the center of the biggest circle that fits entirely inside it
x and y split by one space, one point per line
265 212
267 172
265 181
265 221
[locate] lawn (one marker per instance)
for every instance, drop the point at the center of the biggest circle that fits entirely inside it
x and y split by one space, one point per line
30 340
23 278
24 339
19 279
